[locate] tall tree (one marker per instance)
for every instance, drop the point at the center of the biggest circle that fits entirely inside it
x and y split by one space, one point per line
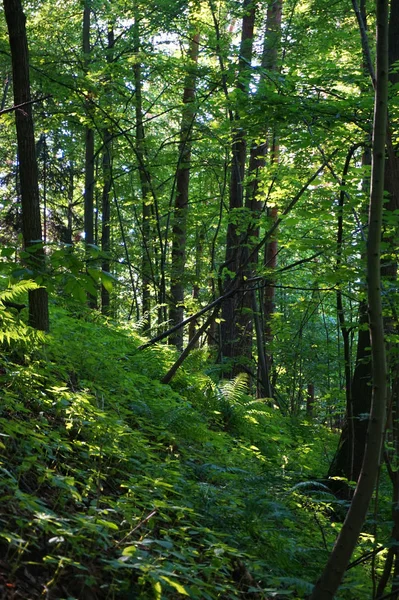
107 185
179 228
31 224
255 201
145 178
236 329
89 147
333 573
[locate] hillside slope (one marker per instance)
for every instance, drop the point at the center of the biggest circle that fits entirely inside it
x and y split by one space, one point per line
115 486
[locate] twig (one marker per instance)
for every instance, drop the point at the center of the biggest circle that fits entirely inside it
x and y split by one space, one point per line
18 106
143 522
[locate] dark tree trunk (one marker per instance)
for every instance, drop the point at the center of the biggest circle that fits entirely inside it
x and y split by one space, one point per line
389 272
270 61
107 183
327 586
199 238
236 329
349 456
254 203
145 179
31 225
89 152
179 229
106 219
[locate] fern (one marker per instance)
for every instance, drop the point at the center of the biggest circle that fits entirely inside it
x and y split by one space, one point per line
233 391
12 328
311 486
14 292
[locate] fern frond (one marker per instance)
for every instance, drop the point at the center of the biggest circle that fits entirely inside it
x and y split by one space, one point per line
13 292
235 389
13 329
307 486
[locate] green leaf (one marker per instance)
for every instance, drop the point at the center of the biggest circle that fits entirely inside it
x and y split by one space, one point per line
129 551
108 524
177 586
7 252
157 589
108 280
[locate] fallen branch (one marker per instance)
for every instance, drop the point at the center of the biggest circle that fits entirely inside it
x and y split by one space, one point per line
189 347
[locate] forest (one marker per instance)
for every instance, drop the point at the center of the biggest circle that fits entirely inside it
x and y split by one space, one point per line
199 362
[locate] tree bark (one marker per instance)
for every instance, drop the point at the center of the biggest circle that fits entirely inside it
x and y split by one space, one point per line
107 183
89 152
236 329
179 228
145 178
31 223
349 456
327 585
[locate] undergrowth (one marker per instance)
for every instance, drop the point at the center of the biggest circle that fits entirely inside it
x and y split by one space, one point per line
114 486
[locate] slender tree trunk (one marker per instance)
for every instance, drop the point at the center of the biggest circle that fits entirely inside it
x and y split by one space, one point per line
28 171
179 229
145 179
389 270
349 456
310 401
327 585
107 183
89 151
236 329
199 238
270 61
106 219
254 203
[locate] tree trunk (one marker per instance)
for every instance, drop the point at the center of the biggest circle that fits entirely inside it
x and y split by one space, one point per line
31 224
271 49
199 238
236 329
349 456
89 152
145 184
310 401
107 183
327 585
179 229
254 203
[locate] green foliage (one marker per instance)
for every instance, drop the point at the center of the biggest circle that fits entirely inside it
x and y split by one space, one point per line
116 485
12 327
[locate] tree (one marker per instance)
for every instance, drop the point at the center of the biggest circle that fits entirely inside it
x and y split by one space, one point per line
179 229
236 329
89 148
31 223
330 579
106 192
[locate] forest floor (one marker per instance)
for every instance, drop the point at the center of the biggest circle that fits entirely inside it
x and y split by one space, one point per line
115 486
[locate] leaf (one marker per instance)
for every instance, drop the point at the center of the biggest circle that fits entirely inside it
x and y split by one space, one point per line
7 252
108 280
108 524
129 551
157 590
177 586
94 273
